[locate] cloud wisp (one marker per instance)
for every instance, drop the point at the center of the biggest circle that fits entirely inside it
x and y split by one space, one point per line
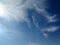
51 29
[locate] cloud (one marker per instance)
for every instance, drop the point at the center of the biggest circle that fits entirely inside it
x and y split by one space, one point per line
51 18
45 35
51 29
45 14
17 10
14 11
48 18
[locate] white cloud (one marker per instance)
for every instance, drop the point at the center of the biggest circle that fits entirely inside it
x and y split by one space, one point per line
14 11
51 29
51 18
45 14
17 11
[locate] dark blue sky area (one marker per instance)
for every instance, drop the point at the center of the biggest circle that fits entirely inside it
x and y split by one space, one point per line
54 6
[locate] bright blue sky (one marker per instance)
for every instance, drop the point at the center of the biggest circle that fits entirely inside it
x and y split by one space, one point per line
31 23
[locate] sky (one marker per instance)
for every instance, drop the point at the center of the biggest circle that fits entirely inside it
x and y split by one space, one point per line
29 22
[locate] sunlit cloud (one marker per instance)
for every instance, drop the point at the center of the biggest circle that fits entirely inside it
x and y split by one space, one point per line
13 11
16 9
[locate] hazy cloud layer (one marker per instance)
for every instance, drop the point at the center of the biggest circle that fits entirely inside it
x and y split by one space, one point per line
17 10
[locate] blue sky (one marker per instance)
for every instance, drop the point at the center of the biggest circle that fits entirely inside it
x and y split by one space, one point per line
29 22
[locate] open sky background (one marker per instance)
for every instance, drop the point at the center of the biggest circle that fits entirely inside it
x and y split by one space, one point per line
30 22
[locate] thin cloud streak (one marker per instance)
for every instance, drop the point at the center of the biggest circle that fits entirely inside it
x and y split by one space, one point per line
51 29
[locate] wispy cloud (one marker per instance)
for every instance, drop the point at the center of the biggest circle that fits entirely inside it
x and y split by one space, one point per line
51 18
17 10
51 29
14 11
45 14
45 35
